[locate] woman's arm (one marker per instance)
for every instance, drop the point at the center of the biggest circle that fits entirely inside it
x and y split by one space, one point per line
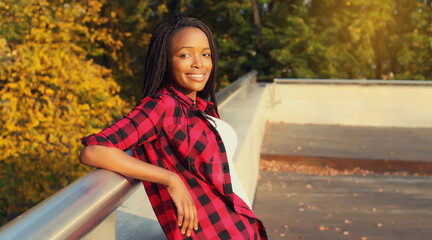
116 160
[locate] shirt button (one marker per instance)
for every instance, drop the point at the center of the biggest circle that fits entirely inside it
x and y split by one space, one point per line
225 168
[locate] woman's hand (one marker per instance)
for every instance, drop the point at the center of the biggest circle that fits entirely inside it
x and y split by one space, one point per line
187 217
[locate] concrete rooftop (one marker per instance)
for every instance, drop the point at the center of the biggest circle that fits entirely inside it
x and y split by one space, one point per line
300 197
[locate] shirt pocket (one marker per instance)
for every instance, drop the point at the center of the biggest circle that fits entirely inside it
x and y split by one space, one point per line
178 138
193 145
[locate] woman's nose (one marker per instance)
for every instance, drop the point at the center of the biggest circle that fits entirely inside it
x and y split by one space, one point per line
197 62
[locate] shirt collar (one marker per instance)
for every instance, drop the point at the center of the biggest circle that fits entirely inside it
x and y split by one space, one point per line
202 104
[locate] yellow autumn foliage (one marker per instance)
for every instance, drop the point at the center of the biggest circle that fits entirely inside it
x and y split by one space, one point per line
51 95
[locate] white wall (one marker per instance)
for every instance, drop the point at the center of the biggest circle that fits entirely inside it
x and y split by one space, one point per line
361 105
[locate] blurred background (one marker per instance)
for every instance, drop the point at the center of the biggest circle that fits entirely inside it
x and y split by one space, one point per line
69 68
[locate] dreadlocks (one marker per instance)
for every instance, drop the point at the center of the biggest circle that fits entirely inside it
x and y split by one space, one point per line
156 75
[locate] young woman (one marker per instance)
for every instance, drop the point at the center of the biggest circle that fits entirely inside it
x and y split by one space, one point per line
177 150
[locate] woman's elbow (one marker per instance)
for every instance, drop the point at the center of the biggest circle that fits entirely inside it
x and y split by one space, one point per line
87 156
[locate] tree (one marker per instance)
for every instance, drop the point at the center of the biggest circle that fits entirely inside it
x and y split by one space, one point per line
294 49
130 23
353 30
411 42
51 95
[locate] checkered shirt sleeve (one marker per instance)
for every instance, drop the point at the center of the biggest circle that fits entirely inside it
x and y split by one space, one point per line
142 124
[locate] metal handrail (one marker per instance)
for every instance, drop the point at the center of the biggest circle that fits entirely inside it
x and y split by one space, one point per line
224 94
78 208
353 81
73 211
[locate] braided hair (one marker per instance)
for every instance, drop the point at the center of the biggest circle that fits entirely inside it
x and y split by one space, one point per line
156 64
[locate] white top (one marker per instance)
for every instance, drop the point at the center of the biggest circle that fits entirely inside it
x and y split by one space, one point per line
229 138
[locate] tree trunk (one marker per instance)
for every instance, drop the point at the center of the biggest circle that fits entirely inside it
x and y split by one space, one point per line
257 20
257 23
172 8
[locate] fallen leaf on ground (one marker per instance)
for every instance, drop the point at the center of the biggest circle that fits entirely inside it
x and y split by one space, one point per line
322 228
283 166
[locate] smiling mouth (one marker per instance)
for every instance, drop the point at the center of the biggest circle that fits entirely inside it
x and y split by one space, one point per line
198 77
195 75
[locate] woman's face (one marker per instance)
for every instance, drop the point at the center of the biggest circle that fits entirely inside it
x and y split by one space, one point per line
189 61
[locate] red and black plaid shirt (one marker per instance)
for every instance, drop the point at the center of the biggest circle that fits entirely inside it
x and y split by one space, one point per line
168 130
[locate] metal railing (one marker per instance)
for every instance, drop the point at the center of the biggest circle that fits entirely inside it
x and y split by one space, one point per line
74 210
230 90
78 208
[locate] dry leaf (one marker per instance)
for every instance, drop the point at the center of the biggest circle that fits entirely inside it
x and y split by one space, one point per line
322 228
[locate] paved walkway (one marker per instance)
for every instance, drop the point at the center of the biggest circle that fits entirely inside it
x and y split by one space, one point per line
332 205
299 206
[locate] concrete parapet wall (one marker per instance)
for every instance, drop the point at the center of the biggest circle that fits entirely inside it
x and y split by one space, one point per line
244 113
360 105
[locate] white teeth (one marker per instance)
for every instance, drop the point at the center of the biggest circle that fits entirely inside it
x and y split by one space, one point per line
196 75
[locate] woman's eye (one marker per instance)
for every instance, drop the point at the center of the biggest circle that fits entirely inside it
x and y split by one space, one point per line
206 54
184 55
